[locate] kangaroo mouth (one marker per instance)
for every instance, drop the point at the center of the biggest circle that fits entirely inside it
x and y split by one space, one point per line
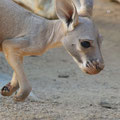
91 68
91 71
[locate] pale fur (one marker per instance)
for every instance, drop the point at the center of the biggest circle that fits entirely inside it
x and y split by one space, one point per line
23 33
46 8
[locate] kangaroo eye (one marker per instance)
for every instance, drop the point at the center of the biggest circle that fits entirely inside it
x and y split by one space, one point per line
85 44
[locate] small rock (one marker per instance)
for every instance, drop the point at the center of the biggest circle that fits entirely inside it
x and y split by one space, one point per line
91 104
63 76
107 105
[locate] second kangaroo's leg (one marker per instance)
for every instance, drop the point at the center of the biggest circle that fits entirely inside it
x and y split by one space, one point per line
11 49
11 87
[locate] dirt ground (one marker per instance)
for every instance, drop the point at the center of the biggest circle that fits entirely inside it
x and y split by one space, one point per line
77 96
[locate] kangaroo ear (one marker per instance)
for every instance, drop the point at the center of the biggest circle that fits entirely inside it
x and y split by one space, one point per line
67 13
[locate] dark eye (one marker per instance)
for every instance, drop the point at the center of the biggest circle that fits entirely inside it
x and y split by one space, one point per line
85 44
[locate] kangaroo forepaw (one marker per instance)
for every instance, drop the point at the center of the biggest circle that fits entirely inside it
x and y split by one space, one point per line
8 90
22 95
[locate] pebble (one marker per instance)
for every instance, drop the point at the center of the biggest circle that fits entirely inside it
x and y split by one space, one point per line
107 105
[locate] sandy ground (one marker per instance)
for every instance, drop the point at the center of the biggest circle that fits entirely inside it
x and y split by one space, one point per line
78 96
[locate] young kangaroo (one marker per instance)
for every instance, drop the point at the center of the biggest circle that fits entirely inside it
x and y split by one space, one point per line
23 33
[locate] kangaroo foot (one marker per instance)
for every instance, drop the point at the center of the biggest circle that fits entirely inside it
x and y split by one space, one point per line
8 90
22 94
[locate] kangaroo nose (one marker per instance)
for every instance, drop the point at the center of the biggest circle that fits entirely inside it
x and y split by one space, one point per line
93 67
100 67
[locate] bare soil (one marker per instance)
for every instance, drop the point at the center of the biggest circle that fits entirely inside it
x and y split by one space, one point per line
63 91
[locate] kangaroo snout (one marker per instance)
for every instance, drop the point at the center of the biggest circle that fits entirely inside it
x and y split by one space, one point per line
93 67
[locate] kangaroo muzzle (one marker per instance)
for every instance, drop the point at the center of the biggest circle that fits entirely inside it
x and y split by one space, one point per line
92 66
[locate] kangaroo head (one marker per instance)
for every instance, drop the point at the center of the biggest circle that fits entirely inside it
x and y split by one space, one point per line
82 40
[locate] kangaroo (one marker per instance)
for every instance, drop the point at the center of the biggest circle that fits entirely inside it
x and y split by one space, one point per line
46 8
23 33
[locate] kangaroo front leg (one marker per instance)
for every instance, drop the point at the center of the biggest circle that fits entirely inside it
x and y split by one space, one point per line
11 50
11 87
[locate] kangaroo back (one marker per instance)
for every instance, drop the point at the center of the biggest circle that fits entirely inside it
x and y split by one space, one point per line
13 19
